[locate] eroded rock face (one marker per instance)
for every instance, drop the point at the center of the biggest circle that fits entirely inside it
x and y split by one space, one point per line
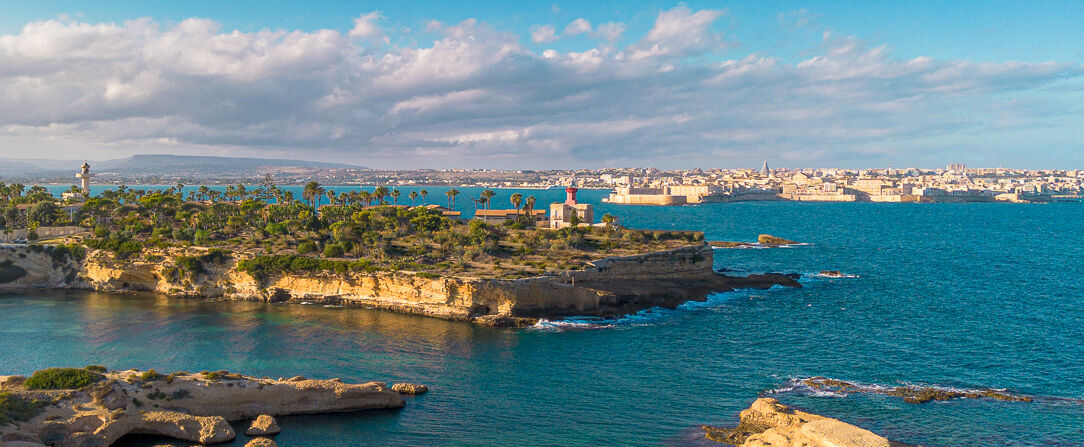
263 425
201 429
769 423
606 287
190 407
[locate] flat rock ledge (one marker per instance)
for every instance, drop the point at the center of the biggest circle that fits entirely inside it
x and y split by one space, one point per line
770 423
193 407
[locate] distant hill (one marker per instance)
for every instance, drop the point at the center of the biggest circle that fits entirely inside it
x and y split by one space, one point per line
166 165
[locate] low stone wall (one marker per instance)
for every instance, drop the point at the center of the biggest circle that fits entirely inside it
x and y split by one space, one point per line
43 233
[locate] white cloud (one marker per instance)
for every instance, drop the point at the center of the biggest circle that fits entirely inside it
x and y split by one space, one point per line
680 32
475 97
543 34
610 32
365 28
577 27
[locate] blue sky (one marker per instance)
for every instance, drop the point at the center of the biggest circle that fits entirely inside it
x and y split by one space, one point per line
1033 31
550 84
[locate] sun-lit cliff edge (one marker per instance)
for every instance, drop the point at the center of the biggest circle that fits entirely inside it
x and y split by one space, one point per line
606 287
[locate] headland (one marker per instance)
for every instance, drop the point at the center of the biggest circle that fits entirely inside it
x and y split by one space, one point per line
500 268
92 406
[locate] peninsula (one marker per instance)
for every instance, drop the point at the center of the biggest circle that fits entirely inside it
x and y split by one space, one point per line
363 250
92 406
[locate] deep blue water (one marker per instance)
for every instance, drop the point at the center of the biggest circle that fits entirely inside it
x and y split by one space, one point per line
961 295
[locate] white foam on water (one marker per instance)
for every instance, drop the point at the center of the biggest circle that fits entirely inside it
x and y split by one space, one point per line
648 317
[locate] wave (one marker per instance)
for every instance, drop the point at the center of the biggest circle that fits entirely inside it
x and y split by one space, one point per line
910 392
759 246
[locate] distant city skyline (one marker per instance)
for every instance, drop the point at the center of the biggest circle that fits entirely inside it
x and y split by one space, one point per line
540 85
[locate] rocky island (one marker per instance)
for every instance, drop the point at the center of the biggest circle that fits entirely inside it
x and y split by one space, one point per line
417 260
92 407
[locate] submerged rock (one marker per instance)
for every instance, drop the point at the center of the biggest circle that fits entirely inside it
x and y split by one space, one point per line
768 423
914 394
263 425
831 273
410 388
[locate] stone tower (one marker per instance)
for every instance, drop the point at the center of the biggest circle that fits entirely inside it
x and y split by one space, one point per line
764 171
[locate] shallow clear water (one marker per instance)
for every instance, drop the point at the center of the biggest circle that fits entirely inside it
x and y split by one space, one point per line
963 295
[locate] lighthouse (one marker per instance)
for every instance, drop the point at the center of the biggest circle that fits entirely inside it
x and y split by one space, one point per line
84 176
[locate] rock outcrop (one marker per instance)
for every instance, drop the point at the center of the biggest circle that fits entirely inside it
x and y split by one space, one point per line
769 423
262 442
190 407
265 425
767 239
410 388
607 287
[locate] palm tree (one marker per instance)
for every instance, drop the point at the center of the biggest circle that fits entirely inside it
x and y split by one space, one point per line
413 196
528 206
331 197
517 200
451 193
311 193
608 219
488 194
423 193
380 193
366 197
395 195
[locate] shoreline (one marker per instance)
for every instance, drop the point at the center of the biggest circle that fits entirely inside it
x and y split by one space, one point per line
608 287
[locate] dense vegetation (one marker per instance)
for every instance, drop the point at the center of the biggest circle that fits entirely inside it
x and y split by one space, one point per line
270 232
62 379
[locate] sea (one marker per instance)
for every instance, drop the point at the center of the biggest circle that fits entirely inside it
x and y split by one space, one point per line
962 296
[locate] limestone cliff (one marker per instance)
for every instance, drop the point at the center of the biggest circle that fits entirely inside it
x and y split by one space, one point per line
769 423
607 287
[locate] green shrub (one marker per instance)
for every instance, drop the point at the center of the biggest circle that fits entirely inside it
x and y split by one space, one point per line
15 408
201 237
96 368
306 247
263 267
220 375
150 376
334 250
62 379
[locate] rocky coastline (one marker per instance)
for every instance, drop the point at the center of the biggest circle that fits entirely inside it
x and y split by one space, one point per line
606 288
769 423
94 407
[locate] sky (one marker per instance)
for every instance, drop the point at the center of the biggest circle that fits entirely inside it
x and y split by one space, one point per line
537 85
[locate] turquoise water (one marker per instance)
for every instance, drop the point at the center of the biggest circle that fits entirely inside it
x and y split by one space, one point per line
961 295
